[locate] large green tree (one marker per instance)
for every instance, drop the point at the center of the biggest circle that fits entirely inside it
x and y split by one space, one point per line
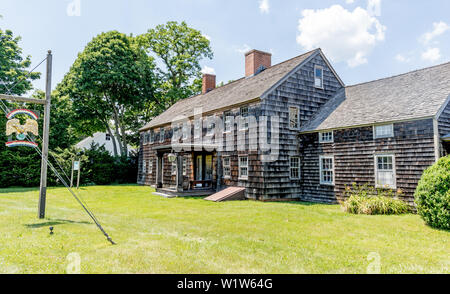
18 166
180 49
109 85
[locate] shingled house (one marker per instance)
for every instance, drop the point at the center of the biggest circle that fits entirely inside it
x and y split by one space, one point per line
319 135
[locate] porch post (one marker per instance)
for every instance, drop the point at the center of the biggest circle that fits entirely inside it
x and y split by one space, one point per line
219 171
159 171
179 173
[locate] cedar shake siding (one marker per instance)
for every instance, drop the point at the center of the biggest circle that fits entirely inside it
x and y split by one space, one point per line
444 129
297 90
354 150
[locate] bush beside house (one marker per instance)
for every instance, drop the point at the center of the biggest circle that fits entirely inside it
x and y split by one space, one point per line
433 195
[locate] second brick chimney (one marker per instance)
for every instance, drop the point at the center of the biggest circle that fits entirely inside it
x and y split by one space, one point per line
254 59
209 83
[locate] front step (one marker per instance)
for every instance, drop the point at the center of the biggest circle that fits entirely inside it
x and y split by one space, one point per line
229 194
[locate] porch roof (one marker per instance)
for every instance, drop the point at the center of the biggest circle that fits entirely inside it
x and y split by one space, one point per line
186 147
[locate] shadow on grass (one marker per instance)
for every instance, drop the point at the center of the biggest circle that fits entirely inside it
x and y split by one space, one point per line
55 222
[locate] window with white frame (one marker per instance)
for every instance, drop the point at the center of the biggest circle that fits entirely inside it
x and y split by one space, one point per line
385 131
227 167
295 167
151 137
318 77
186 131
145 138
294 118
327 170
244 118
198 128
144 167
150 166
185 166
326 137
243 167
174 168
108 137
162 134
385 171
227 120
210 126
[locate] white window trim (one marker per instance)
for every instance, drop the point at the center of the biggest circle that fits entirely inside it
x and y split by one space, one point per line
150 166
211 126
144 168
162 138
185 166
198 125
394 170
383 137
151 135
224 165
299 167
321 170
298 118
225 116
244 178
244 120
315 68
325 142
174 171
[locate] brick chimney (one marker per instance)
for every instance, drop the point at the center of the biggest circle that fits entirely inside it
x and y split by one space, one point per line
209 83
254 59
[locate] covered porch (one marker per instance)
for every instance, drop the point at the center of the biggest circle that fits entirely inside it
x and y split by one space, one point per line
185 173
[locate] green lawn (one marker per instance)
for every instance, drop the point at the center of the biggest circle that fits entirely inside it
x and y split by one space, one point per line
158 235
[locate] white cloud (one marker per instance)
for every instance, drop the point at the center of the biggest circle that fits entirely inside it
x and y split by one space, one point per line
244 49
374 7
344 35
264 6
208 70
432 54
402 58
439 28
349 1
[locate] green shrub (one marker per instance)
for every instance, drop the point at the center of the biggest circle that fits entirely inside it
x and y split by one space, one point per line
368 200
432 195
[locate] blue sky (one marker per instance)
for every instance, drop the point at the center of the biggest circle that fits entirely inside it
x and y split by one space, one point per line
365 39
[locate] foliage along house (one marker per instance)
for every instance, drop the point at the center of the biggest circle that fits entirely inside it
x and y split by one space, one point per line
318 135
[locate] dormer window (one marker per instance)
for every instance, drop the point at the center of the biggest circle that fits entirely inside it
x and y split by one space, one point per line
318 77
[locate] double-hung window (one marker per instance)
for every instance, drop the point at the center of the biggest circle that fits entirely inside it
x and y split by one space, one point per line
150 166
244 118
226 167
327 170
162 135
318 77
185 166
144 168
385 171
198 128
227 120
243 168
326 137
294 118
151 137
295 167
174 168
210 130
385 131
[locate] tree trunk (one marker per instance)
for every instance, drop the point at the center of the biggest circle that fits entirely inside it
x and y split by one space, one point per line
113 138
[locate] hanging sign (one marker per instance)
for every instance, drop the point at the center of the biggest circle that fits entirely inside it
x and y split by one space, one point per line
13 126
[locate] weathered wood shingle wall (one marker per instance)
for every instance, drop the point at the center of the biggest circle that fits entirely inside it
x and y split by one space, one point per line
299 91
444 129
354 151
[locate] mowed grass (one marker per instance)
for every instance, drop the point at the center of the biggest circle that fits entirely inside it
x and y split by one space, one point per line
158 235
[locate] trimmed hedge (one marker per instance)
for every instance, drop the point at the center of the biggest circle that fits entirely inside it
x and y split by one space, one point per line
432 195
371 201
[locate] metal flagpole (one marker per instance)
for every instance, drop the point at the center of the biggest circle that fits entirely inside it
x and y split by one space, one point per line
45 138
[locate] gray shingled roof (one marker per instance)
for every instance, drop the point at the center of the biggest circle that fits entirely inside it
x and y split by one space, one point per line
412 95
237 92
